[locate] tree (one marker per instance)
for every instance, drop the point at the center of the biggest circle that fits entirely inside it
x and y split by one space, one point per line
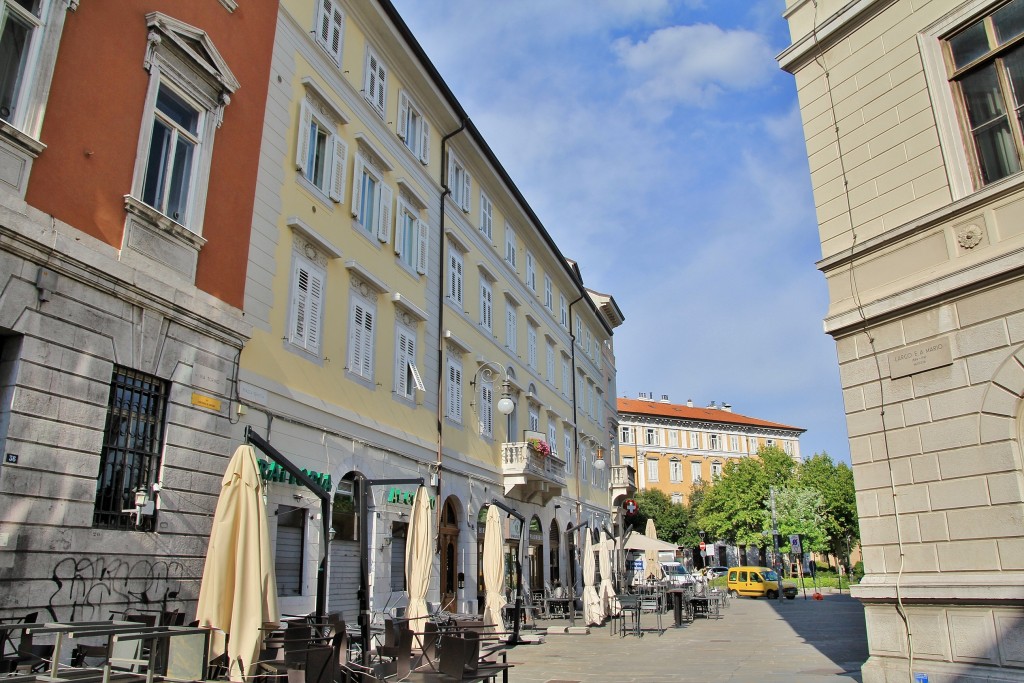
799 511
735 508
834 481
671 520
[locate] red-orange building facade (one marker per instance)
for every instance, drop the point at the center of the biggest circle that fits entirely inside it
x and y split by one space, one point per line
129 143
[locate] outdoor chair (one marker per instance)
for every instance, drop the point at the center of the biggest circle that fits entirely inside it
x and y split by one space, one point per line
25 655
651 604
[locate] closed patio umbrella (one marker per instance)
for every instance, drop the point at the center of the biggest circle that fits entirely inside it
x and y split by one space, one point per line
607 589
652 566
419 554
592 613
494 570
238 595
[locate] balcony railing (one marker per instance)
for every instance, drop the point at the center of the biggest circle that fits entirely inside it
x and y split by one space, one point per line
528 474
622 480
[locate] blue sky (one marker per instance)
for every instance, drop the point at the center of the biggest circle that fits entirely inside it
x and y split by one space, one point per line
661 146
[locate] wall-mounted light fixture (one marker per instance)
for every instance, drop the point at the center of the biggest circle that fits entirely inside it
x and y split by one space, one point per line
487 371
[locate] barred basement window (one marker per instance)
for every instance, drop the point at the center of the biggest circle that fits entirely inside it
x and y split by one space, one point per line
130 460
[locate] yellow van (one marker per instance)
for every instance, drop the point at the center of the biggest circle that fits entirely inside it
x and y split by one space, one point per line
757 582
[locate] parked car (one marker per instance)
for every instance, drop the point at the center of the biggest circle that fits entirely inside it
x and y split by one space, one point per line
676 574
717 571
757 582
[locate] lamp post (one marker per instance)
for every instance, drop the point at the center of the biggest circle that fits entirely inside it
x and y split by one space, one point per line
486 372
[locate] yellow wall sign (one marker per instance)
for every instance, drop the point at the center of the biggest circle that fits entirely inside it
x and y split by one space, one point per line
205 401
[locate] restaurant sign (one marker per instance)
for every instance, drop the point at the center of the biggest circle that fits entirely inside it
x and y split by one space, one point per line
397 495
272 472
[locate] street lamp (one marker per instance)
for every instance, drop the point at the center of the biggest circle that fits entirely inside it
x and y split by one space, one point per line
486 371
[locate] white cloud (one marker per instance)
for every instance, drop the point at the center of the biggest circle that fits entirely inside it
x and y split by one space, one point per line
695 64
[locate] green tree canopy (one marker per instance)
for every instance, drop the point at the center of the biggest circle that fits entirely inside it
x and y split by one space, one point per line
672 520
834 481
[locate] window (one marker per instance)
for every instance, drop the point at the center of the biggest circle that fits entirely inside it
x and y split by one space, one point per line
652 469
371 199
330 27
133 441
361 329
510 246
677 499
486 216
534 418
714 442
455 281
173 154
694 439
413 128
579 331
695 471
625 435
788 447
627 460
552 435
407 379
511 335
412 239
531 346
307 305
486 305
675 470
289 549
375 82
734 443
563 311
987 76
189 86
566 374
486 408
550 364
320 154
531 272
716 470
651 436
548 293
453 404
587 347
673 438
583 463
29 35
459 181
590 401
567 449
752 445
769 443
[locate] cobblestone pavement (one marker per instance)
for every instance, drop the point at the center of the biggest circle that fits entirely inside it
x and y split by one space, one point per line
763 641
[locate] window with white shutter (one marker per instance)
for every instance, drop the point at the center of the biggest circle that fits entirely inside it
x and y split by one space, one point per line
534 418
454 391
531 272
487 409
486 215
652 469
550 365
455 275
625 435
675 470
330 27
372 199
459 182
307 305
563 311
552 435
320 154
375 82
548 294
411 238
695 471
567 449
405 361
486 305
510 246
566 375
413 128
531 346
362 323
511 334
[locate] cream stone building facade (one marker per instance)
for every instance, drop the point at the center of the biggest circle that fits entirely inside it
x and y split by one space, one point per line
912 123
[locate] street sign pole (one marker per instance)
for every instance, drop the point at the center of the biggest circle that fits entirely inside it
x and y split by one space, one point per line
775 541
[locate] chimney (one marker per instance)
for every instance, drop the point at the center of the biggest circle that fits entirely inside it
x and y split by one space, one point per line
713 406
689 403
664 398
727 407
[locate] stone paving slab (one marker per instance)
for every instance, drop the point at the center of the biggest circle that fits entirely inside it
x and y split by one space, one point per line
802 641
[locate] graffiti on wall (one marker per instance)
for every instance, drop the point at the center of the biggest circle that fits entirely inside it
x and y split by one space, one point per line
93 588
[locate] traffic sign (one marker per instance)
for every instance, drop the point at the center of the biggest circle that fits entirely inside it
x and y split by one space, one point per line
702 545
794 544
630 506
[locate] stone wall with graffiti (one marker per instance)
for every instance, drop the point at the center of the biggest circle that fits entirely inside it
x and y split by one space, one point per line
96 588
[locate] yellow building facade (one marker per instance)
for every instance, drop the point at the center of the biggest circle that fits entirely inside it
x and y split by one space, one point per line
399 288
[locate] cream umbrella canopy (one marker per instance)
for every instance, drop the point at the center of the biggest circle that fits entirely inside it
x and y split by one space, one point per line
652 565
494 570
238 595
419 554
607 589
592 613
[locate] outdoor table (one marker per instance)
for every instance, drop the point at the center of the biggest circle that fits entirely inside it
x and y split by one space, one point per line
554 606
676 595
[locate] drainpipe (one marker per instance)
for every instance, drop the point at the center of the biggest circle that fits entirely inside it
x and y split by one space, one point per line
440 320
575 421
